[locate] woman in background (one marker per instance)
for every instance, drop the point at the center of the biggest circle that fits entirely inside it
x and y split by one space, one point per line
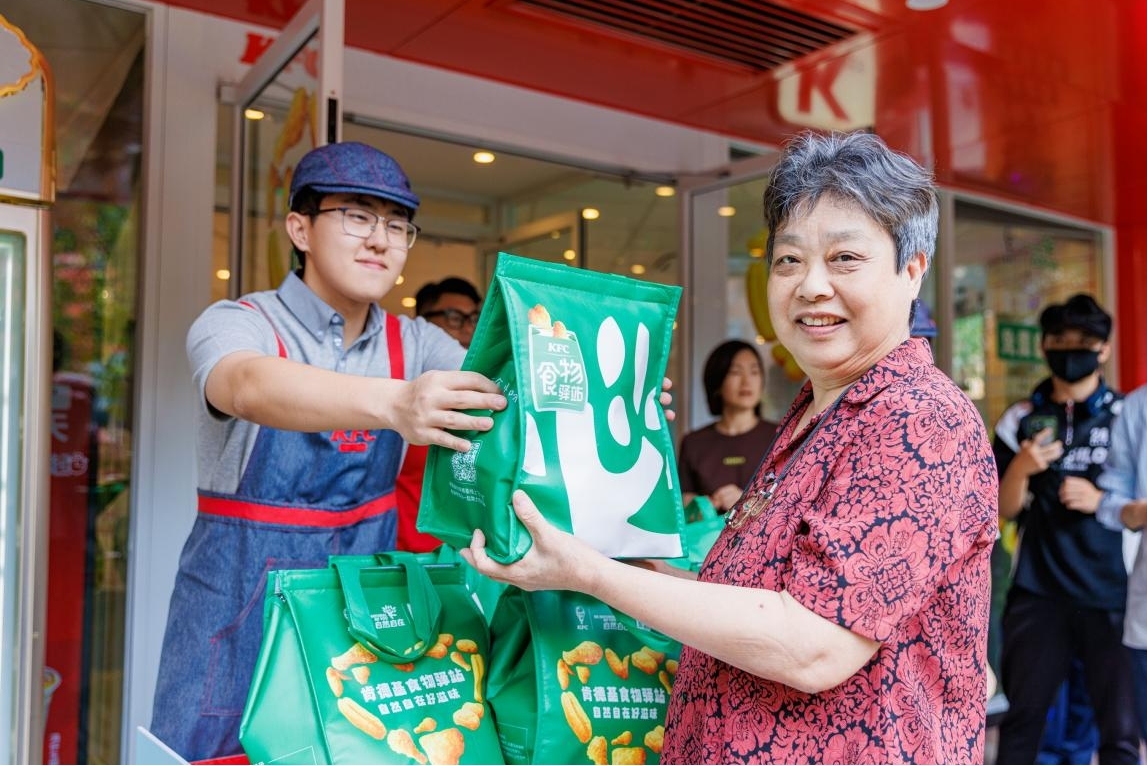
718 460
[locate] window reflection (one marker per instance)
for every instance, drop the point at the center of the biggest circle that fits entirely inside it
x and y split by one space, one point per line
1007 268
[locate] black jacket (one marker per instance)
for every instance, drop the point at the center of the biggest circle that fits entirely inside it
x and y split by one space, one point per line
1065 554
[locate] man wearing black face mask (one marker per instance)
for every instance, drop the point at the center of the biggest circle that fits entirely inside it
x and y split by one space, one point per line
1069 587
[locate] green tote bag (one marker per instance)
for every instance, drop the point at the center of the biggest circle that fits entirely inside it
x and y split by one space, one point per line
571 681
703 526
580 357
370 663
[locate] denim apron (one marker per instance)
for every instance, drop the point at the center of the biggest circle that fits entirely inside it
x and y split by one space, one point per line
302 497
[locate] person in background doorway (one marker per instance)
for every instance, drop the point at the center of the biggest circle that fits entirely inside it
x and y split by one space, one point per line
306 395
1069 587
718 460
453 304
1124 506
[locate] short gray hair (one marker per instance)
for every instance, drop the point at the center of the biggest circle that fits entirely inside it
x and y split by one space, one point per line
890 187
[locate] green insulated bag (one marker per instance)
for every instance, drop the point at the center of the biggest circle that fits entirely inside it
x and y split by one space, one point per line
703 526
581 357
572 683
362 663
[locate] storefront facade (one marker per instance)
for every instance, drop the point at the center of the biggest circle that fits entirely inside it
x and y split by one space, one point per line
142 237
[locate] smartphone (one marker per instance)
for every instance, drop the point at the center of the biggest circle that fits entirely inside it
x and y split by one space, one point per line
1036 423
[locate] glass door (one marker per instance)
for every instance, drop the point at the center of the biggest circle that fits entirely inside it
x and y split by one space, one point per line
26 189
289 103
556 239
724 240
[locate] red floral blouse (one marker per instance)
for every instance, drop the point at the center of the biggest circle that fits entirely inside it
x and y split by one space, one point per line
884 524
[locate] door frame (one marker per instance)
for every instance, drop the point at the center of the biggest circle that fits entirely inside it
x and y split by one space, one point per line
529 232
324 20
24 497
702 331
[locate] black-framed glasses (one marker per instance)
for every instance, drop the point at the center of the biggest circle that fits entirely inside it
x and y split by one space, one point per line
455 319
362 223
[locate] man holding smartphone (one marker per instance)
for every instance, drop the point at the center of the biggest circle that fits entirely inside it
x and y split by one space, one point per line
1069 586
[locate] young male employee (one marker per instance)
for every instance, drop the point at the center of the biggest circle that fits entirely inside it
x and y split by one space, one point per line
306 394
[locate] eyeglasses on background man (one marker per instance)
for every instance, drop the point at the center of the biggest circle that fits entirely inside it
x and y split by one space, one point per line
454 318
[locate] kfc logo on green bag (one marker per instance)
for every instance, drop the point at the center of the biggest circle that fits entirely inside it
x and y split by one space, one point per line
558 379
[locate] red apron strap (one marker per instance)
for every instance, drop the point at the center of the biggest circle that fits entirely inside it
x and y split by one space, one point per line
394 347
282 347
288 516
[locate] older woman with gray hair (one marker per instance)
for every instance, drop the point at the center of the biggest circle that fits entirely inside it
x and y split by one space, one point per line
841 616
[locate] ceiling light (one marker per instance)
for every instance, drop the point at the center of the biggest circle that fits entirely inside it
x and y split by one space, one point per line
400 279
556 234
726 211
757 252
409 302
483 158
223 274
664 191
254 114
637 268
569 255
925 5
590 213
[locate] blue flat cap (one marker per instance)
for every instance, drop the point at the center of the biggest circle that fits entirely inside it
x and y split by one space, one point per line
353 168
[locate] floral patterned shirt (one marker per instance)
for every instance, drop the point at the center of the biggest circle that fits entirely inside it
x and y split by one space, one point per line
884 524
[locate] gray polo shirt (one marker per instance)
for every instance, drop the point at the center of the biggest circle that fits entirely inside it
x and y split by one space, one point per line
311 332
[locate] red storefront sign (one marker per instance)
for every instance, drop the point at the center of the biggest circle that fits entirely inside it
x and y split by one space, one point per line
72 464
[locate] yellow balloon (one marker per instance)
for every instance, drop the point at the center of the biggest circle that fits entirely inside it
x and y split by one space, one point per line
780 354
757 243
757 294
793 370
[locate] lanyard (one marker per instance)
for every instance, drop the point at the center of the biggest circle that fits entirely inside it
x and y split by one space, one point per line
751 505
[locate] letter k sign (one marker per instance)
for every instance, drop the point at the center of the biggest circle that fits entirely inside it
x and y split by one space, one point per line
837 93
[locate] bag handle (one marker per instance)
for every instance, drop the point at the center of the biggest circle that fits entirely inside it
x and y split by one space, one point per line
700 508
406 637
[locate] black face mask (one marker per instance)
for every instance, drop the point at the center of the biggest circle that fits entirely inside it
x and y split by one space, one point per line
1074 365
